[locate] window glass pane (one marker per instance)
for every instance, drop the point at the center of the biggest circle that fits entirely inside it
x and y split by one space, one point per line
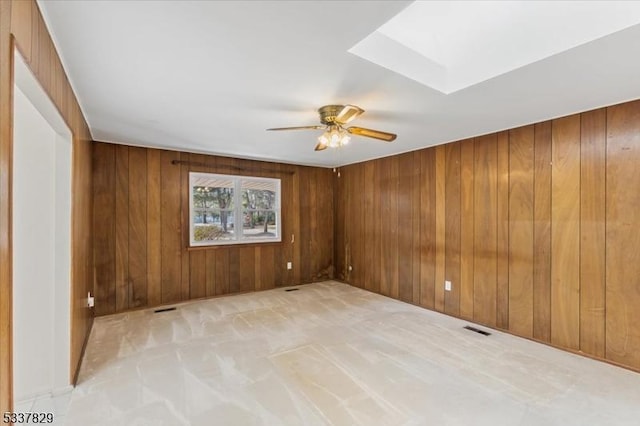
212 192
258 194
259 224
213 225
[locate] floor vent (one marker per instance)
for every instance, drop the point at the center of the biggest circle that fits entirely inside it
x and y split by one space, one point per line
292 289
477 330
157 311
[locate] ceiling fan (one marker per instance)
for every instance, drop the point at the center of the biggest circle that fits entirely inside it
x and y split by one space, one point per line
333 119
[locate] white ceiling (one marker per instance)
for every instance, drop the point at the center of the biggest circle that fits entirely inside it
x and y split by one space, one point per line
212 76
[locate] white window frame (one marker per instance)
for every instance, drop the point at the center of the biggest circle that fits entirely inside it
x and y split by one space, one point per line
238 220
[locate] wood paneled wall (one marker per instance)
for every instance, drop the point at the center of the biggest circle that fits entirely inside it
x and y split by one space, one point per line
22 26
536 228
6 158
141 220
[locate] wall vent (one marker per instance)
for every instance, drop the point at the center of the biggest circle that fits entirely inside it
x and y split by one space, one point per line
157 311
477 330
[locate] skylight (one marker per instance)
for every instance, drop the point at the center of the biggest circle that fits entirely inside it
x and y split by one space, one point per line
451 45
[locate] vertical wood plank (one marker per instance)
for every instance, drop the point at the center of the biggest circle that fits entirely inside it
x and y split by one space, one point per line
359 247
210 271
44 52
368 224
521 165
257 268
339 224
171 260
376 273
427 227
295 256
247 269
154 238
622 236
288 227
405 227
321 185
59 94
392 253
485 234
35 44
452 228
234 270
349 222
82 261
313 257
325 234
542 233
306 212
347 184
197 274
416 223
466 228
81 264
565 232
502 291
351 213
21 24
592 232
222 271
267 275
185 269
137 181
392 248
104 227
440 178
386 235
55 70
122 227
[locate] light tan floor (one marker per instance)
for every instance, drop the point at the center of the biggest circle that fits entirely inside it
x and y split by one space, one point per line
333 354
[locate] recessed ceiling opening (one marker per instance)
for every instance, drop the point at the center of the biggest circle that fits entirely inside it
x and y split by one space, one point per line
449 46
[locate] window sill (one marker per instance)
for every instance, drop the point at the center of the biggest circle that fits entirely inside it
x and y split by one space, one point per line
235 245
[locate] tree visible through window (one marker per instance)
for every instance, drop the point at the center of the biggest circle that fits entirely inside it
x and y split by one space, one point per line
233 209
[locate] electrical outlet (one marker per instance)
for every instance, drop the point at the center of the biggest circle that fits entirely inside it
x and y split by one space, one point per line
350 268
289 265
447 285
90 300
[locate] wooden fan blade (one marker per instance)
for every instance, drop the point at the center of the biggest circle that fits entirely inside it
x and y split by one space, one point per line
299 128
321 147
348 113
370 133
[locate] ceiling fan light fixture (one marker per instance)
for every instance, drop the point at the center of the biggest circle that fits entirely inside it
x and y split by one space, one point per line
334 137
333 119
323 139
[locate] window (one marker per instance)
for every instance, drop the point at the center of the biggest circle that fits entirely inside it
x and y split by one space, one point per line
227 209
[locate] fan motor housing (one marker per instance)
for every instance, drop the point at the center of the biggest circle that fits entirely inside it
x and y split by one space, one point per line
328 113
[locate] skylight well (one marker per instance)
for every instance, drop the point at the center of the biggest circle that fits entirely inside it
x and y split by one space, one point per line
450 46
